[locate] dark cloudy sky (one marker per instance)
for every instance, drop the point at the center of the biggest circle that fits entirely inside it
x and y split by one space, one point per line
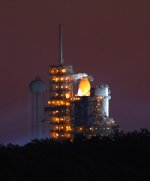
108 39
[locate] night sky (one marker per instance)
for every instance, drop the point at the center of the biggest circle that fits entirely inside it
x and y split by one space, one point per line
108 39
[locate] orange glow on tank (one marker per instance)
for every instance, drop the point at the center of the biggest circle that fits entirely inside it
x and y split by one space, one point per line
84 87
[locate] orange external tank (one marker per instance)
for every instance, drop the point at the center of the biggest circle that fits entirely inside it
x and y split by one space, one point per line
84 87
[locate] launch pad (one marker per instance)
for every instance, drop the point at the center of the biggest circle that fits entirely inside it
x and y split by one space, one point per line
71 113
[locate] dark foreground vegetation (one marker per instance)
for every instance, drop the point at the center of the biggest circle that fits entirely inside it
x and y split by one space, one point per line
125 157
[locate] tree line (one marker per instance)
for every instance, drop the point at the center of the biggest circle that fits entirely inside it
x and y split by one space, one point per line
123 157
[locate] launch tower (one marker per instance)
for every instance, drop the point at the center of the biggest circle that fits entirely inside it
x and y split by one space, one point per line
60 95
70 114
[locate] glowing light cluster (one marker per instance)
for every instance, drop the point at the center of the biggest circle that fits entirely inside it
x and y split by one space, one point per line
59 70
61 78
64 119
56 135
75 98
58 103
62 128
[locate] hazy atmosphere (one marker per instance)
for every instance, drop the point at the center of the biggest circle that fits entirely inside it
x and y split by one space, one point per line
109 40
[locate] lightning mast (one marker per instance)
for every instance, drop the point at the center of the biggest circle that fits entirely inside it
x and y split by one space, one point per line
60 46
60 95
